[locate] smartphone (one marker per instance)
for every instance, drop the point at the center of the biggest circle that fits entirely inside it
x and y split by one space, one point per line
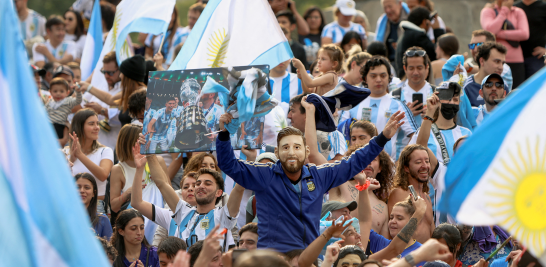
412 191
433 14
445 94
236 253
419 98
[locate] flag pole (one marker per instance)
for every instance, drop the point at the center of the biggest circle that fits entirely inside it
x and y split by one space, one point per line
160 46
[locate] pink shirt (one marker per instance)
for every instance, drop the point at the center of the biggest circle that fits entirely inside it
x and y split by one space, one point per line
491 22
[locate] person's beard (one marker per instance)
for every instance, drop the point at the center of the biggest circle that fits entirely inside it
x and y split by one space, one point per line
292 169
416 176
490 100
207 199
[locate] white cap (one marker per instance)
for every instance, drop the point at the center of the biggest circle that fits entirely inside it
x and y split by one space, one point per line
346 7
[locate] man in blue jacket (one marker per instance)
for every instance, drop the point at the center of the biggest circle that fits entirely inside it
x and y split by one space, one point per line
289 193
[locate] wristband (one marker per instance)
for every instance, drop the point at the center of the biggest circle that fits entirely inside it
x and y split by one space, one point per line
409 259
428 118
363 187
89 88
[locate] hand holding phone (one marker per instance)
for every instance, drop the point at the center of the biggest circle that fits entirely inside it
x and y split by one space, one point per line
412 191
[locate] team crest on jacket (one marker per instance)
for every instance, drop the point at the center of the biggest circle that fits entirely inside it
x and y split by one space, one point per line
205 224
310 186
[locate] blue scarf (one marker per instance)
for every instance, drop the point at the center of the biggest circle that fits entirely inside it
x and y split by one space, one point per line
381 30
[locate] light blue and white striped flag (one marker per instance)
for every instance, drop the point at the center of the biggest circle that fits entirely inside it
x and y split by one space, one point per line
498 176
43 218
234 33
93 43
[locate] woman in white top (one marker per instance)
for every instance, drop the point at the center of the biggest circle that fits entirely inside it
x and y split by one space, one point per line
123 173
87 154
75 31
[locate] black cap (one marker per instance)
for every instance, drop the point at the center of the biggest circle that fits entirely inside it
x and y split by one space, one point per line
35 69
134 68
448 90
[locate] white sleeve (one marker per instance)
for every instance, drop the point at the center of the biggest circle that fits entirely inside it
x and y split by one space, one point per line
409 125
438 177
107 153
162 217
36 57
225 220
327 32
41 26
72 49
182 209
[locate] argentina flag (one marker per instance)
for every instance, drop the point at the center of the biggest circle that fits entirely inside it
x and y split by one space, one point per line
498 176
93 43
234 33
44 222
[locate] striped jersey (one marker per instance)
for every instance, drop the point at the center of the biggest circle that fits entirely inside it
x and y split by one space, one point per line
331 144
450 136
378 110
406 97
285 88
336 32
33 25
66 47
191 226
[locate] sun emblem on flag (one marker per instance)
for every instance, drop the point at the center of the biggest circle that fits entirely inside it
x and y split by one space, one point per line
116 31
217 48
518 195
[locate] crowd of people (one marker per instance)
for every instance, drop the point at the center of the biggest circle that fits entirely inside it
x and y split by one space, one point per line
365 194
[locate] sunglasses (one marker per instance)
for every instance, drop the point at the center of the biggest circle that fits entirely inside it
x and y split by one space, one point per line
490 84
413 53
473 45
110 73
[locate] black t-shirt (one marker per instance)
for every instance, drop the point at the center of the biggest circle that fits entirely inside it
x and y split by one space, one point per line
315 38
536 15
392 38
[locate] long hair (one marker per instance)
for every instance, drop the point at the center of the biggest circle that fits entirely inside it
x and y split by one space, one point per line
350 35
128 87
79 31
92 208
194 164
78 124
310 11
128 136
401 178
336 54
384 177
117 239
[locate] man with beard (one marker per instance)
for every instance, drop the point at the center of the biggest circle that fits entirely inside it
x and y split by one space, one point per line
416 66
492 89
290 194
191 224
159 126
212 113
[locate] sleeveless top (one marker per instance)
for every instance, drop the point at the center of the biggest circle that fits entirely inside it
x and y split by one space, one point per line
124 117
321 90
129 173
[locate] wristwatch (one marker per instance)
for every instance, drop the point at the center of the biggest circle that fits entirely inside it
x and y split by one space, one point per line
409 259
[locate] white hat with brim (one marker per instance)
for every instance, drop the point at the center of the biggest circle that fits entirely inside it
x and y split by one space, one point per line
346 7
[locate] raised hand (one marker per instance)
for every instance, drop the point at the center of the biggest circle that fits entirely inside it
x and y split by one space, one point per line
225 119
433 102
250 154
75 149
337 228
332 251
415 108
420 206
374 184
393 124
140 160
432 250
307 106
297 64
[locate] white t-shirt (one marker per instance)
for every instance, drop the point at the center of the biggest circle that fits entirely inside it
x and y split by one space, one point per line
33 25
438 181
331 144
197 227
336 32
275 120
80 43
96 157
66 47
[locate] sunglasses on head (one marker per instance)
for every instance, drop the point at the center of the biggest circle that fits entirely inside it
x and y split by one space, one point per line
490 84
413 53
473 45
110 73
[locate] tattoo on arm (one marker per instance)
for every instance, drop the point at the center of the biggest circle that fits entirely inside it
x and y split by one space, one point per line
353 190
408 230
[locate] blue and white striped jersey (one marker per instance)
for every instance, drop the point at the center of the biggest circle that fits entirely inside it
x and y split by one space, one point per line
285 88
406 97
336 32
378 110
480 112
450 136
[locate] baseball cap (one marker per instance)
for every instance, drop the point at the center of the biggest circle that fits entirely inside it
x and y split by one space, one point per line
267 155
494 75
336 205
35 69
63 70
346 7
448 89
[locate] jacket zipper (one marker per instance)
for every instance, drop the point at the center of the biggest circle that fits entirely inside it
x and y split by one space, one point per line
301 220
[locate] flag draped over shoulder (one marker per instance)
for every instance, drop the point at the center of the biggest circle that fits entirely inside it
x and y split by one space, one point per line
44 222
498 176
93 43
145 16
234 33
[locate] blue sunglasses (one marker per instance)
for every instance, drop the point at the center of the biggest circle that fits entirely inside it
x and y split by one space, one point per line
471 46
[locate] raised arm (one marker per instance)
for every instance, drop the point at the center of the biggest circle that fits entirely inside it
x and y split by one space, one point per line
100 94
311 253
136 196
234 201
401 240
364 208
100 171
308 81
303 27
250 175
311 133
433 102
159 176
117 198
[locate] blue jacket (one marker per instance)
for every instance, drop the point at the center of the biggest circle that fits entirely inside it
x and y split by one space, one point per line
286 220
